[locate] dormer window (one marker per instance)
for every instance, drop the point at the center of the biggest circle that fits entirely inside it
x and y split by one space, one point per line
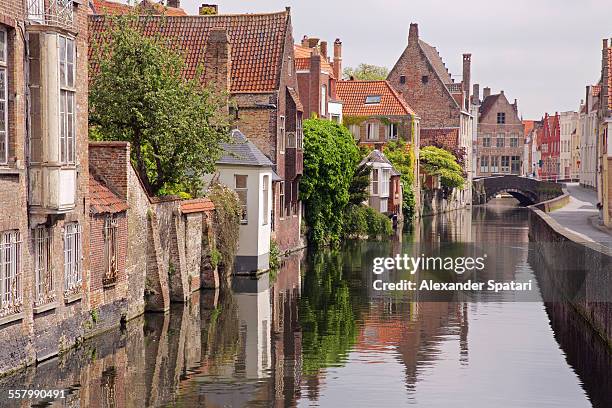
372 99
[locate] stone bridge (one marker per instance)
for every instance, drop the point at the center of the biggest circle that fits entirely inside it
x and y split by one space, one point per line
527 190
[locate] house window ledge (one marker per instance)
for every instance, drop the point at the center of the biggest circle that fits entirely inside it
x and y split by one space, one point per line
11 318
72 298
10 171
45 307
109 285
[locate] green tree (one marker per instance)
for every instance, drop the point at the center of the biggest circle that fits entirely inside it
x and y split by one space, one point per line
139 94
401 156
366 72
440 162
330 159
360 184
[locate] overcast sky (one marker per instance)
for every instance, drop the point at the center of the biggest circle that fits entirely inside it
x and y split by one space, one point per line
542 52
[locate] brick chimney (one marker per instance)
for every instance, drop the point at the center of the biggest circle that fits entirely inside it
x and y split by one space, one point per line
218 60
174 3
314 83
476 94
338 59
605 73
323 48
413 33
208 10
313 42
305 41
467 73
486 92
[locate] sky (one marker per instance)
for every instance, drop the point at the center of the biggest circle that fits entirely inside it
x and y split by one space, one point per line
541 52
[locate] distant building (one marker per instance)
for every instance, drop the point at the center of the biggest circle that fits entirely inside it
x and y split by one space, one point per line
588 129
529 165
246 170
445 106
501 136
317 77
605 134
549 142
385 187
568 121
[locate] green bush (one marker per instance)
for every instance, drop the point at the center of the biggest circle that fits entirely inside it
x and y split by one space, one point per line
378 224
360 220
226 225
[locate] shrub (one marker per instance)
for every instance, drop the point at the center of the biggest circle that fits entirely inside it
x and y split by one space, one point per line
226 224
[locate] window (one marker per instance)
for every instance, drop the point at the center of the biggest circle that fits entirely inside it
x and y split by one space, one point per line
265 192
289 66
281 195
384 206
372 131
494 164
44 290
288 199
291 140
505 164
335 118
67 100
240 185
501 118
299 133
514 141
372 99
72 258
392 131
10 273
374 181
355 130
323 100
424 79
110 250
384 182
486 141
500 140
484 164
281 134
3 97
515 164
402 79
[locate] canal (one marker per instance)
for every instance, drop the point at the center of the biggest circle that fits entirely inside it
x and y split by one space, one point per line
318 334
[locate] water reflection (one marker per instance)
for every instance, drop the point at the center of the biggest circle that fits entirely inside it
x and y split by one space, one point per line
320 335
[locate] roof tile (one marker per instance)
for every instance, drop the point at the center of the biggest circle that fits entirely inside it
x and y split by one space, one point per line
353 95
102 200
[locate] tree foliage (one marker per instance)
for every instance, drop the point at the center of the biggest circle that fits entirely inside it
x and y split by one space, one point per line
366 72
330 159
139 94
442 163
360 185
226 225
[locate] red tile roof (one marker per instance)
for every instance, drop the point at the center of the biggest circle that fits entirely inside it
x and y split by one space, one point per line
302 60
102 200
257 43
446 138
197 205
353 95
149 6
529 125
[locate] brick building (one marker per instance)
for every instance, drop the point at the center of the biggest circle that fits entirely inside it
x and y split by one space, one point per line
549 143
44 262
501 136
444 105
252 56
604 115
317 76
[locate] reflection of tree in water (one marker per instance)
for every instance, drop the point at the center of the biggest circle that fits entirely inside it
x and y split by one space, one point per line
326 314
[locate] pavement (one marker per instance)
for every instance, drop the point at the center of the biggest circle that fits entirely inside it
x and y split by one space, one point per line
582 216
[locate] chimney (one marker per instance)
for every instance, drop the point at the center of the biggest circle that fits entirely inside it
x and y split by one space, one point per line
413 33
338 59
313 42
515 106
208 9
218 61
486 92
315 84
605 72
305 41
174 3
467 70
476 95
323 47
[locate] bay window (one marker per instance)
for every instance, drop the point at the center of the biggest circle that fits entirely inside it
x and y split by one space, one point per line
384 181
67 99
374 181
240 186
265 190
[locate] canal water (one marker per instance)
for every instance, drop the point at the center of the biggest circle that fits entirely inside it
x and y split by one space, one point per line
318 334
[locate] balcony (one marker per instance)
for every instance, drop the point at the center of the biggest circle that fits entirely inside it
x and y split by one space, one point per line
58 13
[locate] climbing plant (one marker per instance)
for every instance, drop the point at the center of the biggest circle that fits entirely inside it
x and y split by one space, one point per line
226 225
401 155
442 163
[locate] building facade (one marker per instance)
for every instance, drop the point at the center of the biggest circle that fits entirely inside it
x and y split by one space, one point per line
501 136
385 192
549 143
588 129
445 107
605 130
568 121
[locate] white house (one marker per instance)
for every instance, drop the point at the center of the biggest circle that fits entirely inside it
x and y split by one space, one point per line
244 168
385 186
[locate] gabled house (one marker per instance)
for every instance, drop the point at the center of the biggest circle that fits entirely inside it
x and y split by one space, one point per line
385 187
106 7
501 136
317 75
250 56
549 142
246 170
444 106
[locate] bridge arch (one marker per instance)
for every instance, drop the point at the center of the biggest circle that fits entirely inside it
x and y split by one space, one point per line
527 190
524 197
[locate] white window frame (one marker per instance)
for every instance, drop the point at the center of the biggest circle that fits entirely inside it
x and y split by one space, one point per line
282 135
111 249
73 258
4 95
244 201
392 131
67 100
323 100
11 290
385 178
384 205
505 168
265 190
494 163
43 271
375 181
372 132
484 164
356 131
486 140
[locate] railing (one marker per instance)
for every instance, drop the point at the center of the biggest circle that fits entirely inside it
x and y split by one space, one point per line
51 12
